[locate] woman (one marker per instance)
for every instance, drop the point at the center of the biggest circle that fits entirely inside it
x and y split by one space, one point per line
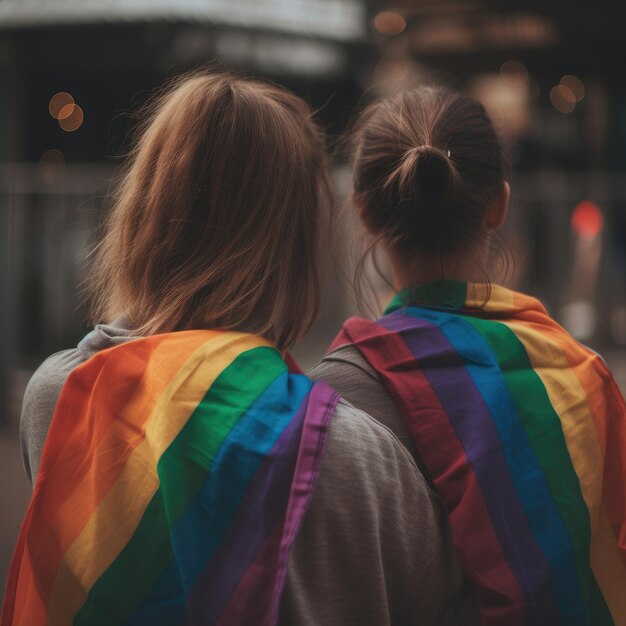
176 449
521 430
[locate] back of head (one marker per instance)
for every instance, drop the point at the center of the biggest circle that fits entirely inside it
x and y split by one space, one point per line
427 163
216 221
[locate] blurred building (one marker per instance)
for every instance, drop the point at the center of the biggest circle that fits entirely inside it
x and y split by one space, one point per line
549 73
71 74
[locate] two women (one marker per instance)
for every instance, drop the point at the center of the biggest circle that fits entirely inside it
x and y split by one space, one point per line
184 469
191 474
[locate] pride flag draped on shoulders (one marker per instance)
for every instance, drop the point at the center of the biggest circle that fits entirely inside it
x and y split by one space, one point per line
175 475
523 432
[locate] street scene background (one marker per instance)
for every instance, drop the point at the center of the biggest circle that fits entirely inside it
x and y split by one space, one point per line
73 73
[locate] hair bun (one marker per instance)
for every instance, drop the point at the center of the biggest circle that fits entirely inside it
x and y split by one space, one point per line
423 170
427 164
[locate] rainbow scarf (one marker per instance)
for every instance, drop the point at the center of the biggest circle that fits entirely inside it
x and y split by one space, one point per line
523 433
175 475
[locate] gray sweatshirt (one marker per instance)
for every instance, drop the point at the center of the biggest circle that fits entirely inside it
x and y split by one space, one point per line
373 549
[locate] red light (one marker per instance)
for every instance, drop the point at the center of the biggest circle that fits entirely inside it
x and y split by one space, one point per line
389 23
587 219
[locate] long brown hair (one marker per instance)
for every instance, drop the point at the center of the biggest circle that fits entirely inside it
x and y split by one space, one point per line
216 221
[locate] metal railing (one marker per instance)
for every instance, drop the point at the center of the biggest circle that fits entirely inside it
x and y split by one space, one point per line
48 222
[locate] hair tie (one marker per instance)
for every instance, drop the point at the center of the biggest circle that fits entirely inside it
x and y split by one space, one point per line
426 146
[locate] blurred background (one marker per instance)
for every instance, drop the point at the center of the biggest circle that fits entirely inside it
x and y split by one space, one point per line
71 71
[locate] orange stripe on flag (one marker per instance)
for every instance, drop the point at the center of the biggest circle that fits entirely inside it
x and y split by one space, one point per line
596 396
96 454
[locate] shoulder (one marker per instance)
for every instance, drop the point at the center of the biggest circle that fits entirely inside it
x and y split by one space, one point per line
383 478
48 379
39 403
360 441
367 475
346 370
374 543
346 356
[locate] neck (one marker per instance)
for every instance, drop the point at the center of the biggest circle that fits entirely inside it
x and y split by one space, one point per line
468 266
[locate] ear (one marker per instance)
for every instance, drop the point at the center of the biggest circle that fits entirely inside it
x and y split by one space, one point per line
498 209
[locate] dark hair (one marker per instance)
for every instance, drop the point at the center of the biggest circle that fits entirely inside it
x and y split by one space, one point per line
427 163
216 221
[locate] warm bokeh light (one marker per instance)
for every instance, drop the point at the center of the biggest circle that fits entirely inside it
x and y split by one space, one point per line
52 156
507 104
66 111
71 117
567 94
392 74
514 73
587 219
59 102
575 85
562 98
51 164
389 23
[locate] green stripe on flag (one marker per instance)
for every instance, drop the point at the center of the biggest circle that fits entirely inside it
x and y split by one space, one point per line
543 427
182 470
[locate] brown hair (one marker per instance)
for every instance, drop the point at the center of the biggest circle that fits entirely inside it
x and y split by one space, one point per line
427 163
216 221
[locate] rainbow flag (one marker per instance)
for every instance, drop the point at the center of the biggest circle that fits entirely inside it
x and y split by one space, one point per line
174 477
523 432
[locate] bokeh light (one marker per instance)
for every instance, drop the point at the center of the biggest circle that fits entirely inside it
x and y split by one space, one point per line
514 73
71 117
507 105
587 219
575 85
389 23
59 102
580 318
562 98
52 156
51 164
391 74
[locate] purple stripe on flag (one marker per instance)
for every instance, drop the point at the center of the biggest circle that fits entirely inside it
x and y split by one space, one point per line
322 403
269 492
470 417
